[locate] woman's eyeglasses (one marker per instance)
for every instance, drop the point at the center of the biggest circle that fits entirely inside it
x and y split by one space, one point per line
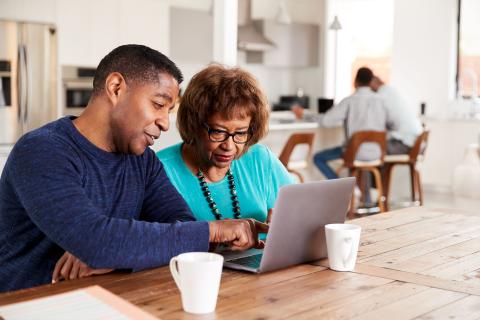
216 135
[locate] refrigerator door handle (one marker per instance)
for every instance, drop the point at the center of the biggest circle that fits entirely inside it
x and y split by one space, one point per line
19 84
22 93
25 81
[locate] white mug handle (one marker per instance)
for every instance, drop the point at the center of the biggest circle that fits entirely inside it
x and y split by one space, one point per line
174 271
347 250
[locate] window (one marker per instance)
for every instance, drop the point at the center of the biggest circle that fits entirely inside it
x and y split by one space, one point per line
366 39
468 73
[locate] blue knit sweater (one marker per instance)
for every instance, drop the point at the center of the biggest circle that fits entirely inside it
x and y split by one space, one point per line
59 192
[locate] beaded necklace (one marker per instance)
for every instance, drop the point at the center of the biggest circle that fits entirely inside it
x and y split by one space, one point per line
211 203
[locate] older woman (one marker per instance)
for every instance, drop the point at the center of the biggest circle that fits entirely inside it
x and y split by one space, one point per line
220 169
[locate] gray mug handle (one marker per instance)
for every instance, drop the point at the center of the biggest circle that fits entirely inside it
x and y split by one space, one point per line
174 271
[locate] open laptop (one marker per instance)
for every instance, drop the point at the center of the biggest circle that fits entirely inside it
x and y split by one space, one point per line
297 232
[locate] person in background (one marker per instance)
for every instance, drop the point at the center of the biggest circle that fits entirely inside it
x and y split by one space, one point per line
219 168
363 110
86 195
403 125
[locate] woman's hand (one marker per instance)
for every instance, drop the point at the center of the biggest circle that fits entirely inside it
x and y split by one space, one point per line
69 267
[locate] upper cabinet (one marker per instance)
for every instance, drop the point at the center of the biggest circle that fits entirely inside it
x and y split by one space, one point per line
295 44
89 29
191 35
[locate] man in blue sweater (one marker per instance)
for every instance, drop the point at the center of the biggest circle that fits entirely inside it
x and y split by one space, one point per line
91 189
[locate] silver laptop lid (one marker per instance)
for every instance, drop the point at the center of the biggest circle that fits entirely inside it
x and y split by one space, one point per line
301 211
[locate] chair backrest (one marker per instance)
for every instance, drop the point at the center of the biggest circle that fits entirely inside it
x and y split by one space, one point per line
419 146
294 140
360 137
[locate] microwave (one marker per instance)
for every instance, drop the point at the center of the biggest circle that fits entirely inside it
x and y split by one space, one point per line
77 88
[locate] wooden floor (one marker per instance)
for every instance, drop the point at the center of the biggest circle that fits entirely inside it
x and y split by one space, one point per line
415 263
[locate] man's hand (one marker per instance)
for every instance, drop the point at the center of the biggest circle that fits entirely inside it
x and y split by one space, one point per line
242 234
269 216
297 110
69 267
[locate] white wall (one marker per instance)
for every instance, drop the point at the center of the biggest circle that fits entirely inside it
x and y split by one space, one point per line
424 52
423 69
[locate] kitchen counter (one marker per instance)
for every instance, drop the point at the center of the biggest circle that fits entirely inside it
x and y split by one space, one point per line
285 120
291 125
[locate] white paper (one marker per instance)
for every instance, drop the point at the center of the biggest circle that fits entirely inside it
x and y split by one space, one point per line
89 303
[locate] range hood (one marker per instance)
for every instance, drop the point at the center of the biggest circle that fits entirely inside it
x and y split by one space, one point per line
249 37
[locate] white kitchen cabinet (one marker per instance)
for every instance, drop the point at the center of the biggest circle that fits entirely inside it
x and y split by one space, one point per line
74 29
89 29
191 42
145 22
296 44
106 27
28 10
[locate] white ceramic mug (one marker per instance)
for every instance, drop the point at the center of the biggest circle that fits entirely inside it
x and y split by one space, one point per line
342 245
197 275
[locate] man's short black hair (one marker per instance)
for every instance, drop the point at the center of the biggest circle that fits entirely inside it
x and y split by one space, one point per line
364 76
137 64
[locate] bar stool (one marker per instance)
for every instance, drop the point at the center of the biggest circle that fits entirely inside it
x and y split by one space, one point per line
411 160
293 141
357 168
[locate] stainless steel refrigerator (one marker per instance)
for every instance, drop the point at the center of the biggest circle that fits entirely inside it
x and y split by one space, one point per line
28 74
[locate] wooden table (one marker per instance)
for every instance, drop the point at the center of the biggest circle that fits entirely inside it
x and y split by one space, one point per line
413 263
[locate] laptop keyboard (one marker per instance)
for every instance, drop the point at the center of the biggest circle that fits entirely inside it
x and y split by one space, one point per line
250 261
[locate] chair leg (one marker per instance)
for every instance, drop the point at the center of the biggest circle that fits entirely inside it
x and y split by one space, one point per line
361 184
378 182
351 210
412 181
419 187
298 174
388 168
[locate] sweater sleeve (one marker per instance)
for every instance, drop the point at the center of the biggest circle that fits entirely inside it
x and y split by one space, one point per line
162 200
47 180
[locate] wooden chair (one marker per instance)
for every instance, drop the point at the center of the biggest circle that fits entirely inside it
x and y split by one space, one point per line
293 141
411 160
357 168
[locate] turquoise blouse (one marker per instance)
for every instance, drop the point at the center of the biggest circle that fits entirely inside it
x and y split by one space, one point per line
258 177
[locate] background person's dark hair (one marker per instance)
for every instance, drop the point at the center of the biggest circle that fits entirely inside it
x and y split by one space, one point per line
137 64
364 76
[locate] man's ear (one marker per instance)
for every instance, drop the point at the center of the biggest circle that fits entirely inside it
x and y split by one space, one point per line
115 86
